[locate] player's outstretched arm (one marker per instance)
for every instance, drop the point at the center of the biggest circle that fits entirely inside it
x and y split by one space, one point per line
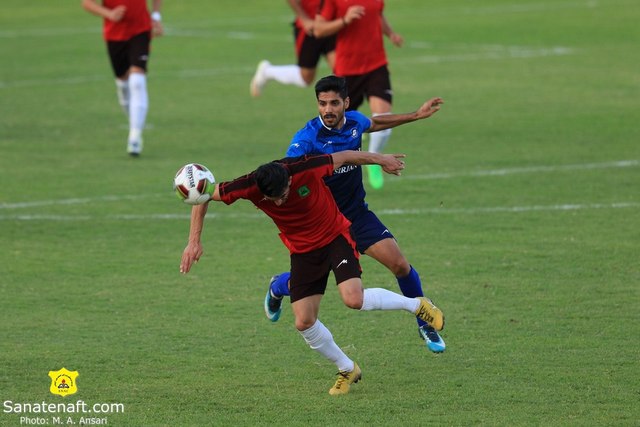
391 163
157 29
395 38
193 251
386 121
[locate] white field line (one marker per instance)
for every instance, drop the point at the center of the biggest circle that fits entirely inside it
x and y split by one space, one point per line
203 28
530 7
480 173
76 201
383 212
485 53
505 53
531 169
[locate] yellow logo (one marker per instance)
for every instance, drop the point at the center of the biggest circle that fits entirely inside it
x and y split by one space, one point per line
63 382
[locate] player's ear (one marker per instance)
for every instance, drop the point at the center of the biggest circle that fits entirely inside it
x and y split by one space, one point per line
346 102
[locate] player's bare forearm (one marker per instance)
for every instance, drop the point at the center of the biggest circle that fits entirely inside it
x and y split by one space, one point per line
198 213
116 14
324 28
387 121
193 251
391 163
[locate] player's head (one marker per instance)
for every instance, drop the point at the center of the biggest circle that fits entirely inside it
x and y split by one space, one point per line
333 100
273 181
332 84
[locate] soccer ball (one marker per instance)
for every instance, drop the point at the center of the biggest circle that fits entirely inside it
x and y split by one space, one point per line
194 184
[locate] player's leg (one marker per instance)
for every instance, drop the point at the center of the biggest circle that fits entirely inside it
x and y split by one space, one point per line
329 51
302 74
309 274
388 253
320 339
122 90
374 239
120 65
369 299
278 289
139 98
380 97
138 107
346 268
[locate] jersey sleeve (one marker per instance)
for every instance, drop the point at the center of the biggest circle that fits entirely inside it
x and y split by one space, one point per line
327 10
300 145
363 121
240 188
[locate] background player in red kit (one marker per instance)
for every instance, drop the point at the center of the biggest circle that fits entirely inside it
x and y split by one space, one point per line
359 26
127 29
293 194
309 49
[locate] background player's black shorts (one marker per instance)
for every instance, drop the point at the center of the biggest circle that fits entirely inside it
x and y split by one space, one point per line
309 49
124 54
310 270
374 83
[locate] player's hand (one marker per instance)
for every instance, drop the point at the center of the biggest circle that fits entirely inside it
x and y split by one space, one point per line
156 28
392 164
117 13
354 12
429 108
307 26
191 254
396 39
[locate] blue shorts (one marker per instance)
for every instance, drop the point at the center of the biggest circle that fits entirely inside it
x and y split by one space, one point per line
367 229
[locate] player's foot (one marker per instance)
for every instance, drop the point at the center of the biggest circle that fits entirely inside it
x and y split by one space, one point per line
134 148
376 177
272 304
259 79
431 314
345 379
434 341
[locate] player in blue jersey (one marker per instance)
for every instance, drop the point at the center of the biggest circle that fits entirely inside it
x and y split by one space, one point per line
336 129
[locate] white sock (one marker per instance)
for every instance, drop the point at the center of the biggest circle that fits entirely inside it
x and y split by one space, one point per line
138 105
320 339
382 299
285 74
122 89
379 139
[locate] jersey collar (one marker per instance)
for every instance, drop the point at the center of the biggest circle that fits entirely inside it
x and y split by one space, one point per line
344 122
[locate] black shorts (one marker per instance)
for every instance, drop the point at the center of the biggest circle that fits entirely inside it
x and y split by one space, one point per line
374 83
124 54
310 270
309 49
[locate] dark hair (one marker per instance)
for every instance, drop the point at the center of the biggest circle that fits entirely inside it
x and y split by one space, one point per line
332 84
272 179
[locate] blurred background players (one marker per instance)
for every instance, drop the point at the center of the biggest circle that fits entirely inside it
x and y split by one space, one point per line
127 29
308 48
359 26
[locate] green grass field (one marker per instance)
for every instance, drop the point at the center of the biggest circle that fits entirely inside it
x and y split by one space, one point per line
520 207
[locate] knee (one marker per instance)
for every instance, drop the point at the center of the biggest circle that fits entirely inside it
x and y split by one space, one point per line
399 267
353 301
308 75
302 324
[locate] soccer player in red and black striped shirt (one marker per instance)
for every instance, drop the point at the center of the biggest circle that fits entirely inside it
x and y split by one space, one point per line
127 29
293 194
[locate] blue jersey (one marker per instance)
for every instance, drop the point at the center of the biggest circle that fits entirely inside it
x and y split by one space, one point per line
346 182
